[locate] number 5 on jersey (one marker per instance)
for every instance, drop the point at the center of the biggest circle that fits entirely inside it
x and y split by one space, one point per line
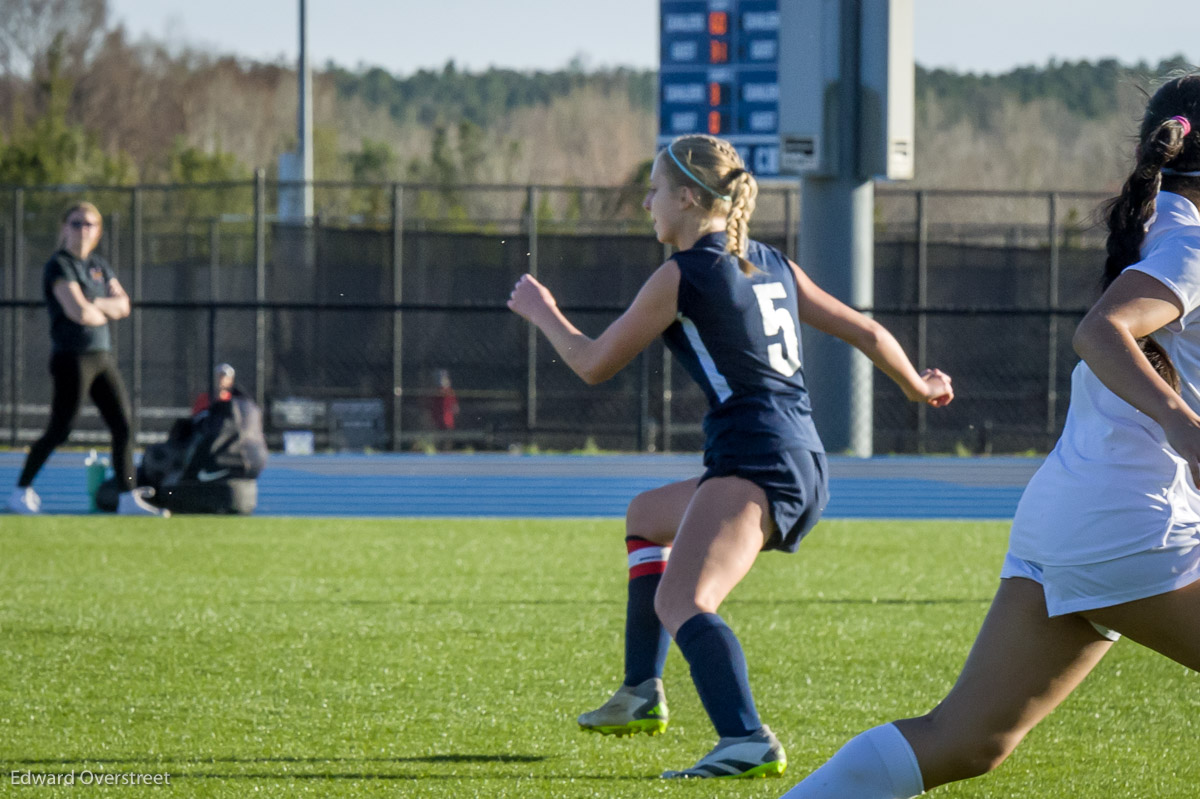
784 357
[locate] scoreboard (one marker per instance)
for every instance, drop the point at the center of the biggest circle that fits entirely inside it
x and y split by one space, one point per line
719 74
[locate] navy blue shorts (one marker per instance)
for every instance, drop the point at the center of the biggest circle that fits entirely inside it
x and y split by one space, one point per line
796 482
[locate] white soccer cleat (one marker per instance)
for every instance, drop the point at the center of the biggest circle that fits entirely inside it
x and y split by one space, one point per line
633 709
756 755
24 501
133 503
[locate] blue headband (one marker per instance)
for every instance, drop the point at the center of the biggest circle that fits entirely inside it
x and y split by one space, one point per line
698 181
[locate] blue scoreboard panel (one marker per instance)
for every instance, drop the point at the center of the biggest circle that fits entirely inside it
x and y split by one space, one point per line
719 74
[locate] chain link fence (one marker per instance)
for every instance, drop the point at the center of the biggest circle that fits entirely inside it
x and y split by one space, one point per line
340 325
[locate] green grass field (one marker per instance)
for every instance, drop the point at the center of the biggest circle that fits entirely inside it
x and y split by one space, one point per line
449 658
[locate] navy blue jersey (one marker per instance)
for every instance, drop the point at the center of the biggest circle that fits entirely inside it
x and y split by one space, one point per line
92 275
738 336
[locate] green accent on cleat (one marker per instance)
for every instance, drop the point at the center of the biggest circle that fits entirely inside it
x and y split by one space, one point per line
632 710
635 727
775 769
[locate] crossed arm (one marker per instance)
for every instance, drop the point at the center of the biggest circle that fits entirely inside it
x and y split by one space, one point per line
92 313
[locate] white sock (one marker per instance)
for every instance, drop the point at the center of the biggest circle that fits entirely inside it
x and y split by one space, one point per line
878 764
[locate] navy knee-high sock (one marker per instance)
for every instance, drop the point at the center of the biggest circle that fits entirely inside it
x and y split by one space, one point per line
646 640
718 668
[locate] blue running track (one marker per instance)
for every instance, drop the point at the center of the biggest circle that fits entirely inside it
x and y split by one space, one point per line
900 487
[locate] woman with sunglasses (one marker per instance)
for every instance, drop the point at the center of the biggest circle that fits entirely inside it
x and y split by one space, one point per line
82 295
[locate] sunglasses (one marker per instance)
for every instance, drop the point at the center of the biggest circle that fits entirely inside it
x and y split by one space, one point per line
79 224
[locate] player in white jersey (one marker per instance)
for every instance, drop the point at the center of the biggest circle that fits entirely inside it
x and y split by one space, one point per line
1106 538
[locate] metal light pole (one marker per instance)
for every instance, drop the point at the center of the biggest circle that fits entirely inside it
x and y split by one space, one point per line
304 122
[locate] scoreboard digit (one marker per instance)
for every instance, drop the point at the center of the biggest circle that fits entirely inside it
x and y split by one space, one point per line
719 74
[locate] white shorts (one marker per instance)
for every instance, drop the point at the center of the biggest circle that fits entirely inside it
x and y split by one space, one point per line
1070 589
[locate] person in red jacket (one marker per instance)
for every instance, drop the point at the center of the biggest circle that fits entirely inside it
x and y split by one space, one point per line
444 408
223 380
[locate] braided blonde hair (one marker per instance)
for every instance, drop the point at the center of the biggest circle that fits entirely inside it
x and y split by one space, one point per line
725 184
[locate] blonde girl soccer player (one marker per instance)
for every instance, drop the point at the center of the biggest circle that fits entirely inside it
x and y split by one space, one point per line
1106 538
728 308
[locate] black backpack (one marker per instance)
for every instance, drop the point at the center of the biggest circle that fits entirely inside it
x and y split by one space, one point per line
208 464
225 443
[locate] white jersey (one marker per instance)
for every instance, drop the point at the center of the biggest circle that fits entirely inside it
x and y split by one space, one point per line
1113 486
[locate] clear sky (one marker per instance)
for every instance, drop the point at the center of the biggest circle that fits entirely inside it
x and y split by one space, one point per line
403 36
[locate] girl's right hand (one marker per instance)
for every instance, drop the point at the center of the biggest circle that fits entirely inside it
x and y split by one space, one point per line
529 296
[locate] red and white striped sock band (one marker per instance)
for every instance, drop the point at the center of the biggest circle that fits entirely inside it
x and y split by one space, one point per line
645 557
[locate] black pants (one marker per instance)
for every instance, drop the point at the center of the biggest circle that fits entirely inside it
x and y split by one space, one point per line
77 374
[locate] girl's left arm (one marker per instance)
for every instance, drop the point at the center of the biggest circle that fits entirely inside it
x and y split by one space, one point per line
116 304
1136 305
596 360
830 315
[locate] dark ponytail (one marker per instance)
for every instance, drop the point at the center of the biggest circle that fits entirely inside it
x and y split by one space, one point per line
1166 137
1128 213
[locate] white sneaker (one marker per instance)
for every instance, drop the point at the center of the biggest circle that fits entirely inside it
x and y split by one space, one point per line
24 501
633 709
133 503
756 755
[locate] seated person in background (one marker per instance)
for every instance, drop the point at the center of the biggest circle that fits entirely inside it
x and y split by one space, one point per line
223 381
444 407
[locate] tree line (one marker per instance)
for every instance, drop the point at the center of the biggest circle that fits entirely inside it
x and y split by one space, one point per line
80 102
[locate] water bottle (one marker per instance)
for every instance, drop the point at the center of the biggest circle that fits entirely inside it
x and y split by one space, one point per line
97 470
